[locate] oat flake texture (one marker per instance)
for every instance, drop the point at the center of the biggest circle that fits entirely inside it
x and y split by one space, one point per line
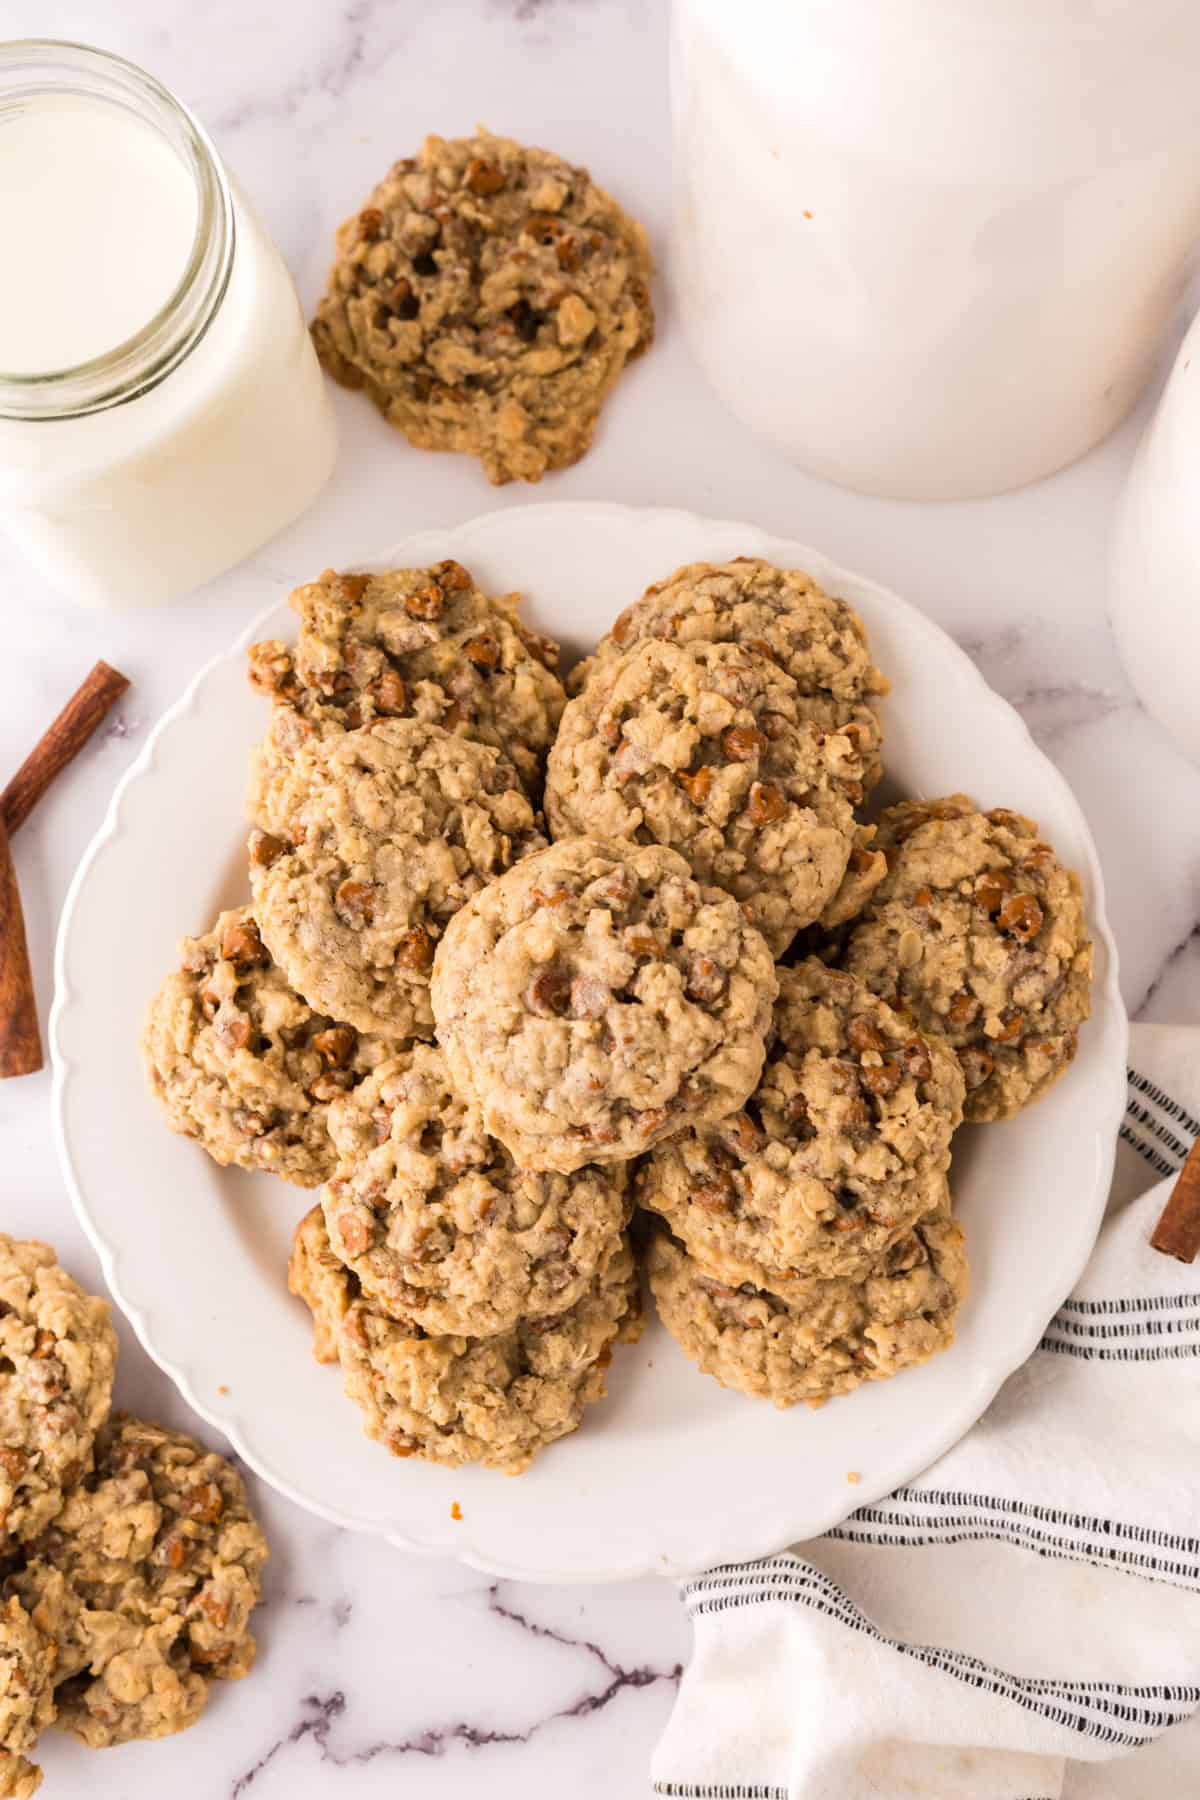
58 1354
495 1400
244 1066
442 1228
412 643
828 1338
843 1146
486 298
598 999
705 748
980 934
146 1580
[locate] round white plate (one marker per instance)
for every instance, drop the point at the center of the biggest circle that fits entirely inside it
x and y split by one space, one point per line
670 1473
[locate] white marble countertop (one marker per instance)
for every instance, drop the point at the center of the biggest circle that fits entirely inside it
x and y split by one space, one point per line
377 1669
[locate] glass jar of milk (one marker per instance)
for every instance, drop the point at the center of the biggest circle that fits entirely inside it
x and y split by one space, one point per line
1155 588
928 247
161 409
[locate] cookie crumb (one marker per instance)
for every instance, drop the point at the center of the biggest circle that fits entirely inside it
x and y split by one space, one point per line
853 1477
455 1510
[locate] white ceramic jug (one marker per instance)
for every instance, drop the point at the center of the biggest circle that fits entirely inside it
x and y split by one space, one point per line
1155 593
928 247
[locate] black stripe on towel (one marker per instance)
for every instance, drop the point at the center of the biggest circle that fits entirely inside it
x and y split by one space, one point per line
1115 1330
720 1790
1158 1163
916 1516
1098 1353
1163 1101
1149 1303
1142 1119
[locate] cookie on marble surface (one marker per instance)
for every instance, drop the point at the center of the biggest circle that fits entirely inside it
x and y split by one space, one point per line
422 643
146 1580
597 999
703 747
28 1660
58 1354
371 841
494 1400
843 1145
487 298
441 1226
243 1065
831 1337
815 638
979 933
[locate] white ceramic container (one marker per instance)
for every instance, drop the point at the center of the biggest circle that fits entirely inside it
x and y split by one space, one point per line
928 247
1155 593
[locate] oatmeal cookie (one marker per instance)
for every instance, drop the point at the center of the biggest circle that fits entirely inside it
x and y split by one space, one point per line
58 1354
146 1580
371 841
27 1673
420 643
843 1145
702 748
487 298
979 933
597 999
439 1224
835 1335
242 1064
494 1400
782 613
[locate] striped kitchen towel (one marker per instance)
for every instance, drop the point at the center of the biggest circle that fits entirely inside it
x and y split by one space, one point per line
1023 1621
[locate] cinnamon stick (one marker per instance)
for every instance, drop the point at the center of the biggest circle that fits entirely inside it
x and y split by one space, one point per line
1178 1230
60 743
20 1042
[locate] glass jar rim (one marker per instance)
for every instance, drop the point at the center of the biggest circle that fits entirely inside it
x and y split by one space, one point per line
31 68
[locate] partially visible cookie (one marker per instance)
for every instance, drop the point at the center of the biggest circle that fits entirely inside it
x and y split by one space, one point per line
494 1400
842 1147
242 1064
831 1338
865 870
979 933
27 1672
441 1226
704 748
597 999
371 841
815 638
146 1579
487 298
319 1277
58 1354
420 643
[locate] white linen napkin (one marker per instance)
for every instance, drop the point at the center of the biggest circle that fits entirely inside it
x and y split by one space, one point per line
1023 1621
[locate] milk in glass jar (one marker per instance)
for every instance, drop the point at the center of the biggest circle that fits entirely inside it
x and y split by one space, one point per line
928 247
161 409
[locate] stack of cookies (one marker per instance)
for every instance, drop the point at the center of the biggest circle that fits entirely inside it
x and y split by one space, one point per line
716 992
129 1560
